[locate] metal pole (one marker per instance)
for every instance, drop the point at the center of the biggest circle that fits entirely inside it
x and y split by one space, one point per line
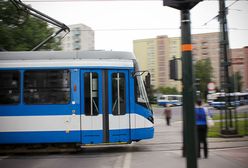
118 94
224 70
44 17
246 123
46 40
91 96
188 91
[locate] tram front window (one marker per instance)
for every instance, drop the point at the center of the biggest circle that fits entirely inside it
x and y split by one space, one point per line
140 92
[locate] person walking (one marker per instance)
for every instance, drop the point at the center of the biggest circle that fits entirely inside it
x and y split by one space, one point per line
167 113
202 128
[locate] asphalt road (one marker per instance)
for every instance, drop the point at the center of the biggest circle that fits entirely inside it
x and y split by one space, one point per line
176 113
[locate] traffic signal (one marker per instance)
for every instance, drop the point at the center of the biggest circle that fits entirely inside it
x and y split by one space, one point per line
174 69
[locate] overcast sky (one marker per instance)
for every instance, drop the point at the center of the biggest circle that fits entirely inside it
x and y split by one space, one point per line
118 23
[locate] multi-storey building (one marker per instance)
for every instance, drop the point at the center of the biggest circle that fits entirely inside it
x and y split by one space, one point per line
154 54
246 68
239 63
162 60
175 52
146 54
81 37
204 46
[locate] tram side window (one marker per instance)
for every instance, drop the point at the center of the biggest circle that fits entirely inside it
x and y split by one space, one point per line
118 94
9 87
47 87
91 96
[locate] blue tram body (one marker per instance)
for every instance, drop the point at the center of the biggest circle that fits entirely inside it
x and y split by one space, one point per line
84 97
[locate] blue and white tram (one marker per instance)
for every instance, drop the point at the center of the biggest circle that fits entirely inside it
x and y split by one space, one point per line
218 100
83 97
173 100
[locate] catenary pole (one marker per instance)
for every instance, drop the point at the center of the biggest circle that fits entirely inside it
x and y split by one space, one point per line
188 91
229 128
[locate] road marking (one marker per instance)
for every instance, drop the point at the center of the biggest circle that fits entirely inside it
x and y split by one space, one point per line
229 148
127 160
118 162
3 157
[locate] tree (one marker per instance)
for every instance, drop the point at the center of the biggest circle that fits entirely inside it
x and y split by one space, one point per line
236 82
203 72
22 32
167 90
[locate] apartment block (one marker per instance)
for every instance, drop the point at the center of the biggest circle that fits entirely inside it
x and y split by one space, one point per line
175 52
239 63
146 54
246 68
166 48
81 37
154 54
163 59
206 46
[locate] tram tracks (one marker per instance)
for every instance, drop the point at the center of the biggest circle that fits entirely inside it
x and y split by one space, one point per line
105 151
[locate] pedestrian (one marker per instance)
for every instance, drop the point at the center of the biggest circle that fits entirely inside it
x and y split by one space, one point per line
167 113
202 128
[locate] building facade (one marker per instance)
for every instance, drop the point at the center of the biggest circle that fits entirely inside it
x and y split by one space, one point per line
204 46
239 63
81 37
246 68
162 59
154 54
146 54
175 52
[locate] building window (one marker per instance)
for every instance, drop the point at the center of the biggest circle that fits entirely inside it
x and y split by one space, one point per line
9 87
47 87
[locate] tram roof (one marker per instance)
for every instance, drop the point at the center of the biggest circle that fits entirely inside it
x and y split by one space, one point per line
56 55
42 59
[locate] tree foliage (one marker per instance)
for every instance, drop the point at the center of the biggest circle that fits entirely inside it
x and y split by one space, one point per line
203 72
236 82
22 32
167 90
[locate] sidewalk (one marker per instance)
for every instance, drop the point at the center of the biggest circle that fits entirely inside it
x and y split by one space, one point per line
173 134
223 152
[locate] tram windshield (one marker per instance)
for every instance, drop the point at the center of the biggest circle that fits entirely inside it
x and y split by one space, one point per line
141 96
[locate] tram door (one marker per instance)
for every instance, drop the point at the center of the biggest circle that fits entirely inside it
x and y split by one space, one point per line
119 119
91 107
104 106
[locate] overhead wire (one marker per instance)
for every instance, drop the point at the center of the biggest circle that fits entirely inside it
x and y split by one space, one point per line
159 28
143 29
217 16
107 0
